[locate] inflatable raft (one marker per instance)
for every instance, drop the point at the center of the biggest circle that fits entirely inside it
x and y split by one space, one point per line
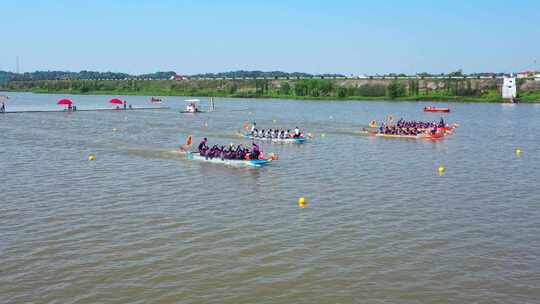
434 109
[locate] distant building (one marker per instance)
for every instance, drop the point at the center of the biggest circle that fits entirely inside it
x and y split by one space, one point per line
525 74
509 89
537 77
178 77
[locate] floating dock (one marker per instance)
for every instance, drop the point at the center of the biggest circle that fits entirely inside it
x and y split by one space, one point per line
82 110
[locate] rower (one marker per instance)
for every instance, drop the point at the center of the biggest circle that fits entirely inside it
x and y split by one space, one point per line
296 132
253 128
255 151
203 147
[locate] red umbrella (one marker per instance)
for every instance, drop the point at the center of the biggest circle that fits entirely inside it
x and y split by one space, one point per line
116 101
65 102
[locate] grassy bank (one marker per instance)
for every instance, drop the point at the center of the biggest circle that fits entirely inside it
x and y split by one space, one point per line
308 89
534 97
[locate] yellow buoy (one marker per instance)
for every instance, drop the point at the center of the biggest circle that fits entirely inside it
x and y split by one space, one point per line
518 152
302 202
323 135
441 169
91 157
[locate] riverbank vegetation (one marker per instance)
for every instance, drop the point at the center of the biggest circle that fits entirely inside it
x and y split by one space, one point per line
411 89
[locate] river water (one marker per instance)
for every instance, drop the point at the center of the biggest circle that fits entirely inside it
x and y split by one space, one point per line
141 224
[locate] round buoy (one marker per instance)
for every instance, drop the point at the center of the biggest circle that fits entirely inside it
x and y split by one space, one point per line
323 135
302 202
274 121
114 129
91 157
518 152
441 169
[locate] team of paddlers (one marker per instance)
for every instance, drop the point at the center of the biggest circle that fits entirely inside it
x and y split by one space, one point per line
413 128
279 134
237 152
241 152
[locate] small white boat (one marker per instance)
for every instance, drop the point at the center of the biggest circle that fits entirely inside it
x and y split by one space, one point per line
192 106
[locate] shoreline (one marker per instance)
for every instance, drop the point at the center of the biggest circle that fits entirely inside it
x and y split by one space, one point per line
419 98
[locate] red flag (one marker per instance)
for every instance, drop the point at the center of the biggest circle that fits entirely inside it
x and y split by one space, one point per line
189 140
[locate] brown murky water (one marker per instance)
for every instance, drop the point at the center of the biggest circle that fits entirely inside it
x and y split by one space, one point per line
143 225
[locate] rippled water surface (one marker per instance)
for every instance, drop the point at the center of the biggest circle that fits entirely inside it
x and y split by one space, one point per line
141 224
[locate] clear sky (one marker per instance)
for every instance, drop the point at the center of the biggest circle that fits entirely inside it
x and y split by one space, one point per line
332 36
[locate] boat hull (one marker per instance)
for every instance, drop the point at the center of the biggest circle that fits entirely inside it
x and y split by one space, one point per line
229 162
189 112
437 110
435 136
416 137
299 140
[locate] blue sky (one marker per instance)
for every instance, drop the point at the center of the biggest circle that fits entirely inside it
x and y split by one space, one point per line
314 36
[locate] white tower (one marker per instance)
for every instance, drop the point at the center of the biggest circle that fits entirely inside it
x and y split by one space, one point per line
509 89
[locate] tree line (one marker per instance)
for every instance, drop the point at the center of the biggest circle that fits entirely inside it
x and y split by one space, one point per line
303 88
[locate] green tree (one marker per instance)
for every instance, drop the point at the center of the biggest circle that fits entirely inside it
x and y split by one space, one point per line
395 89
285 89
232 88
341 92
301 88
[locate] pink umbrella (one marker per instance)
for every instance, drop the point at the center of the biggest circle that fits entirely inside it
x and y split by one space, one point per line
65 102
116 101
